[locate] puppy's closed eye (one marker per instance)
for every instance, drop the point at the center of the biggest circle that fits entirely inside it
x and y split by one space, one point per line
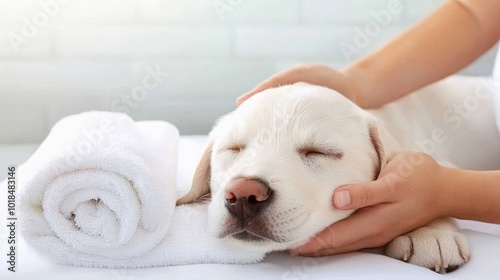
311 152
235 148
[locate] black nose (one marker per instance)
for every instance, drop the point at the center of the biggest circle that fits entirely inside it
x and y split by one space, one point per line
246 197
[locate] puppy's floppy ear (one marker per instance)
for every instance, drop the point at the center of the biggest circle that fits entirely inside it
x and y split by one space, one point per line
201 178
385 146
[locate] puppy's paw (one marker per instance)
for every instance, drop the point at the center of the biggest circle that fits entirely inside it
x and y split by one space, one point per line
442 250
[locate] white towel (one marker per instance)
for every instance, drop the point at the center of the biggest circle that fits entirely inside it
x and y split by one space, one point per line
100 191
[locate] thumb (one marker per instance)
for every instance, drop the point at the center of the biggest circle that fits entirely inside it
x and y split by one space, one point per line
362 195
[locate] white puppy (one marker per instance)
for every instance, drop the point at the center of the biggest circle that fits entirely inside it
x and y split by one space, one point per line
273 164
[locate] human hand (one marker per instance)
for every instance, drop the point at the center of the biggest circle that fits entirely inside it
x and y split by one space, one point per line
315 74
407 195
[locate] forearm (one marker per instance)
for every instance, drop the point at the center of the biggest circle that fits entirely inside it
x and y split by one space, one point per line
450 38
473 195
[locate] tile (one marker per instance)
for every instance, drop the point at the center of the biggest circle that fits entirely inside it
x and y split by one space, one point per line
354 12
23 118
121 41
311 42
17 42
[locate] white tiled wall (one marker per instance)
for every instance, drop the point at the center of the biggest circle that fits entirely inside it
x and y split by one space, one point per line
79 55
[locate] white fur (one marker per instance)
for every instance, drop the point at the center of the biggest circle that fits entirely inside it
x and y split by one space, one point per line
270 128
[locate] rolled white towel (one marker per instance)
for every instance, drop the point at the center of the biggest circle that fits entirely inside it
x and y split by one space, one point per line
100 191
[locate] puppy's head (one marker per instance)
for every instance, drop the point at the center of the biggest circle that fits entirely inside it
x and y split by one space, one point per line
272 165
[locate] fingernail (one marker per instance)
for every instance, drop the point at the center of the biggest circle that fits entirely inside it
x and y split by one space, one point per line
343 199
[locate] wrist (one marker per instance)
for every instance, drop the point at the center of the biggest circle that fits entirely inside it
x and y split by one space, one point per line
473 195
458 200
447 195
357 86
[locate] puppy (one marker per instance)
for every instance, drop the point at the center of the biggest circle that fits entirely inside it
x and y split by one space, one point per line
272 165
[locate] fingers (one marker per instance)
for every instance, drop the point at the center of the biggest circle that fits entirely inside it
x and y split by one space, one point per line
323 240
249 94
273 81
358 231
315 74
335 251
362 195
286 77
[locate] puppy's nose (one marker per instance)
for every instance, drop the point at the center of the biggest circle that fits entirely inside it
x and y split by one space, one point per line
245 197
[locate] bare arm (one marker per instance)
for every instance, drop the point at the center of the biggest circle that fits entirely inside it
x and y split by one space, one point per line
453 36
474 195
450 38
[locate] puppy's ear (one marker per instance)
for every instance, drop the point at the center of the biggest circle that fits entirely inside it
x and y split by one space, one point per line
201 178
385 146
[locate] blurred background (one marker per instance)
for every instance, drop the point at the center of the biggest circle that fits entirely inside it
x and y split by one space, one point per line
184 61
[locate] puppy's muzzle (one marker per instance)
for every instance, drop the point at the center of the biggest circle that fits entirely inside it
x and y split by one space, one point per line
246 197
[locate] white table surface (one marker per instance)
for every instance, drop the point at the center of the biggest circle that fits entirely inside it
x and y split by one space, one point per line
484 240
